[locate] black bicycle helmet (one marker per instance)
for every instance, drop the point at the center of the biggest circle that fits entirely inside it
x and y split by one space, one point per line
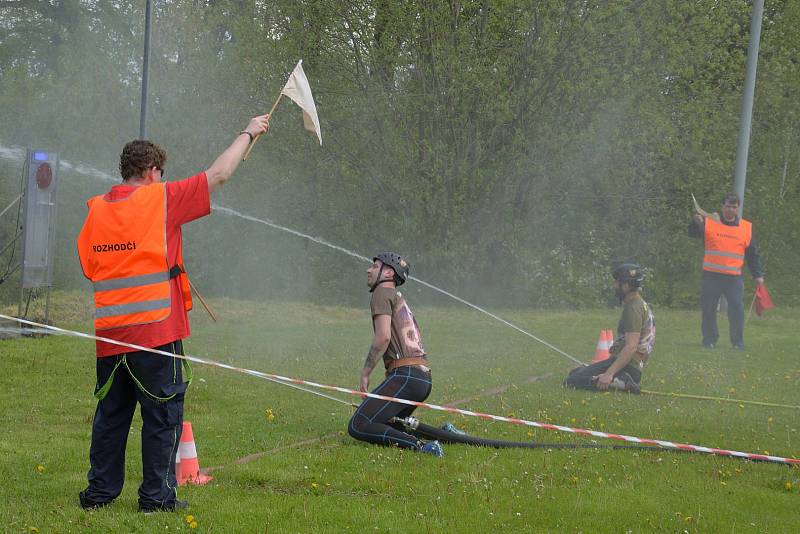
630 273
396 262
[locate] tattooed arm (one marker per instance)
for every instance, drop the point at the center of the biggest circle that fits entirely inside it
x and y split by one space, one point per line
380 342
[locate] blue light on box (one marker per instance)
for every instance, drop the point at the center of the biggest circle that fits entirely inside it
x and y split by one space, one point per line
40 156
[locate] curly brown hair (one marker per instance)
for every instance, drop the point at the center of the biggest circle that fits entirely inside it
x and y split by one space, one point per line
139 156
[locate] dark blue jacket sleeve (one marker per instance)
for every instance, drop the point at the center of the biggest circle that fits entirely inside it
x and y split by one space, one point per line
753 259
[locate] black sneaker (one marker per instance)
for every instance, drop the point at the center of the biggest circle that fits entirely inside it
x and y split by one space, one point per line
624 382
177 505
89 504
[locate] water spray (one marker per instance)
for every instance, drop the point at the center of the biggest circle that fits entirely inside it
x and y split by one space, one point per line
82 169
352 254
10 205
13 153
449 409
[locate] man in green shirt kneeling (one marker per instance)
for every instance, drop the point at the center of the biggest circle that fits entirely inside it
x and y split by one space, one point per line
636 336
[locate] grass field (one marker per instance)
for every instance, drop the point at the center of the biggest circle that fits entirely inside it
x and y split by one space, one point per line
315 478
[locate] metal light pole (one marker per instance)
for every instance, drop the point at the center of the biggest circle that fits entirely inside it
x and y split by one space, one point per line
740 172
145 71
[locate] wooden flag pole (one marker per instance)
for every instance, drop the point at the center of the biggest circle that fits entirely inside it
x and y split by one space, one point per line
253 142
750 312
203 302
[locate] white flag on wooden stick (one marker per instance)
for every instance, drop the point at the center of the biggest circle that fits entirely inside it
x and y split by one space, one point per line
299 91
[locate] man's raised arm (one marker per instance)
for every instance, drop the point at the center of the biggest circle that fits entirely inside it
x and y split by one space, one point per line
223 167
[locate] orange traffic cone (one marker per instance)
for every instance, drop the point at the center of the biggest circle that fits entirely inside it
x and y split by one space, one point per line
601 352
610 338
188 471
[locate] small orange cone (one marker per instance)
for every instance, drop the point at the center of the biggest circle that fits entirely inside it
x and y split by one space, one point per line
610 338
188 470
601 352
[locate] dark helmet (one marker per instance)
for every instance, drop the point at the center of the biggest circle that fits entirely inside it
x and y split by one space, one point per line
630 273
396 262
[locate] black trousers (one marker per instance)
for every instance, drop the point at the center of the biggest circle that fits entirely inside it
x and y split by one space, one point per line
371 421
160 393
712 287
582 377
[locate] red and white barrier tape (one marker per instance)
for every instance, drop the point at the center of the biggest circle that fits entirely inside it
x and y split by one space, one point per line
490 417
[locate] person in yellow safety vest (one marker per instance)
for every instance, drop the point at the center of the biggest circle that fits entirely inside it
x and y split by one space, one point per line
130 248
729 243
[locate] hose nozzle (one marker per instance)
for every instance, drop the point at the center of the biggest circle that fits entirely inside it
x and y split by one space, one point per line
411 423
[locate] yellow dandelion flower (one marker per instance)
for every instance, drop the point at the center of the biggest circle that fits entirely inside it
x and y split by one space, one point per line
315 485
788 485
769 419
584 402
270 415
189 518
193 524
33 529
40 468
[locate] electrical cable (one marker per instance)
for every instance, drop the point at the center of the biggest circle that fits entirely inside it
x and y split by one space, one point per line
28 302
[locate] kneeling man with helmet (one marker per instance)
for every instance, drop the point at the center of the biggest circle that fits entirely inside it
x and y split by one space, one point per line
636 335
408 375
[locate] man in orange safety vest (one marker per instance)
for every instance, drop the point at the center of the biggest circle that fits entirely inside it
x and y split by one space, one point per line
130 248
729 243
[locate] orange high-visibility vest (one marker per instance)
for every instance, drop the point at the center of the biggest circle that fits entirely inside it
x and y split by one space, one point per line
725 246
123 251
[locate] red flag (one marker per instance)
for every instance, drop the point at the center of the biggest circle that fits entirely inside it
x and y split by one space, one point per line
763 300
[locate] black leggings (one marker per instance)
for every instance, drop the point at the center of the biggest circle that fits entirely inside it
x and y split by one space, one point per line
582 377
370 422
